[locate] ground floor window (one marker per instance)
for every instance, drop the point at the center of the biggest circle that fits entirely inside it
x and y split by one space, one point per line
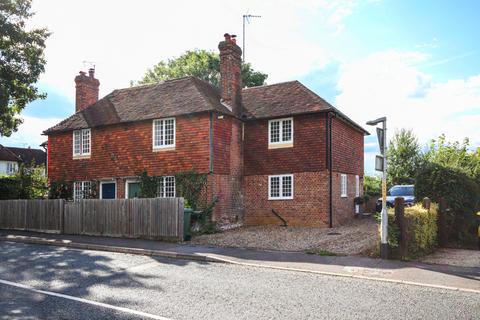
81 190
166 187
280 187
343 185
12 168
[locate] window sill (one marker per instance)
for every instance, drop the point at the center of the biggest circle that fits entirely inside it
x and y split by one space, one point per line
343 197
274 199
280 145
159 149
81 157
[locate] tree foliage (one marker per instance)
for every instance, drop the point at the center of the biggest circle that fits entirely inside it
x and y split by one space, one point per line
454 155
403 158
451 171
372 185
29 182
21 62
201 64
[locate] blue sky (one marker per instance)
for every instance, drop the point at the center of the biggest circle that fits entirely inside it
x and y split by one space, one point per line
414 61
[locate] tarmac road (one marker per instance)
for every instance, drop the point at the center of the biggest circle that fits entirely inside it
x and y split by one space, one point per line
44 282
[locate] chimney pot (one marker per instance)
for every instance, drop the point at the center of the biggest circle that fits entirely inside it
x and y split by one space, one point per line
86 90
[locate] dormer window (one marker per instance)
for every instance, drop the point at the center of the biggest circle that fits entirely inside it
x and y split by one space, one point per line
280 133
82 142
163 134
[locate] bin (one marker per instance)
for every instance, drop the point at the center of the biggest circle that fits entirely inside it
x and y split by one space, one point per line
187 218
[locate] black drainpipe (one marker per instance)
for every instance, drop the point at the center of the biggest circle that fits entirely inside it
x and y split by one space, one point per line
329 166
211 142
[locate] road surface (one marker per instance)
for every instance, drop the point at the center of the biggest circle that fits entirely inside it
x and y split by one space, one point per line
44 282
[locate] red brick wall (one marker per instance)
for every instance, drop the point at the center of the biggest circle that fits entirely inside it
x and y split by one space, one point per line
309 206
222 135
226 182
347 148
86 90
306 155
126 149
343 207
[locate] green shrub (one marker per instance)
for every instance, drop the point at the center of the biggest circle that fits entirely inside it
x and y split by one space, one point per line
461 193
421 231
29 182
9 188
372 185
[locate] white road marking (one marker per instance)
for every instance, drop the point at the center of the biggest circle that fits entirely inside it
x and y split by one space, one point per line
98 304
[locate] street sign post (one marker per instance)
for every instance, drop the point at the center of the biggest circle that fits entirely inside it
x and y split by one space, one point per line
381 165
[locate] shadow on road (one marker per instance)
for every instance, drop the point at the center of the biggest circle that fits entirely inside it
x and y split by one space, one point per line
68 271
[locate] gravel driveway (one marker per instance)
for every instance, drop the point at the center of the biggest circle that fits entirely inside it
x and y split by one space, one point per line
351 239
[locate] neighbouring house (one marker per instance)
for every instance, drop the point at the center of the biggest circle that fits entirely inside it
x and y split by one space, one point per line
11 158
276 147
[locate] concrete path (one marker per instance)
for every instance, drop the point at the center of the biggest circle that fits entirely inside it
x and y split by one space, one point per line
414 273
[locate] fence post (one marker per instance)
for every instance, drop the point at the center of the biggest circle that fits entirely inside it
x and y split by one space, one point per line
400 220
426 203
442 223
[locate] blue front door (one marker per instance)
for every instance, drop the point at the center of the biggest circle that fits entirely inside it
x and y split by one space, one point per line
108 190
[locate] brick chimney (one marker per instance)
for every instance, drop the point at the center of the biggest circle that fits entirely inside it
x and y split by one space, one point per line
231 73
86 89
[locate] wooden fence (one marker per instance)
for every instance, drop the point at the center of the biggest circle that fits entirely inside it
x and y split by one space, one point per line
33 215
157 218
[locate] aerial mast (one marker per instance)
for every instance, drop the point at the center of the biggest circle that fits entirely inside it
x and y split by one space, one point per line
246 17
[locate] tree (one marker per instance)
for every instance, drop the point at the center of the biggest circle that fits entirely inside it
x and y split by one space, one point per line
403 158
201 64
21 62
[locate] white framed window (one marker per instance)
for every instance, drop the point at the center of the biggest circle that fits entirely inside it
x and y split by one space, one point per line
12 167
163 133
82 142
280 132
280 187
81 190
166 187
343 185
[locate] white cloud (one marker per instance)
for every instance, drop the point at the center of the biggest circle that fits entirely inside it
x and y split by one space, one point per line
29 133
390 84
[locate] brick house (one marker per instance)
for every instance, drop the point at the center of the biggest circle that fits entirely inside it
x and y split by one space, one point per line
274 147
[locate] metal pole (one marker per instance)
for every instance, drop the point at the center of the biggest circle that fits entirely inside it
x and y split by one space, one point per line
243 39
384 221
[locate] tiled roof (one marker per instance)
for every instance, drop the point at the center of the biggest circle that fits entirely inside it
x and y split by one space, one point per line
7 155
191 95
25 155
286 99
276 100
170 98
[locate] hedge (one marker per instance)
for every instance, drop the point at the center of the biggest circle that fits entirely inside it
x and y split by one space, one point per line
462 195
420 231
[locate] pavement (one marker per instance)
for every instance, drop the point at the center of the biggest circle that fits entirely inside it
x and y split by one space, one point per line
413 273
51 282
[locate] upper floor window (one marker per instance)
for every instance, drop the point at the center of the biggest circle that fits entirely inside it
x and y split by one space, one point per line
166 187
280 132
12 167
82 141
81 190
343 185
164 133
280 187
